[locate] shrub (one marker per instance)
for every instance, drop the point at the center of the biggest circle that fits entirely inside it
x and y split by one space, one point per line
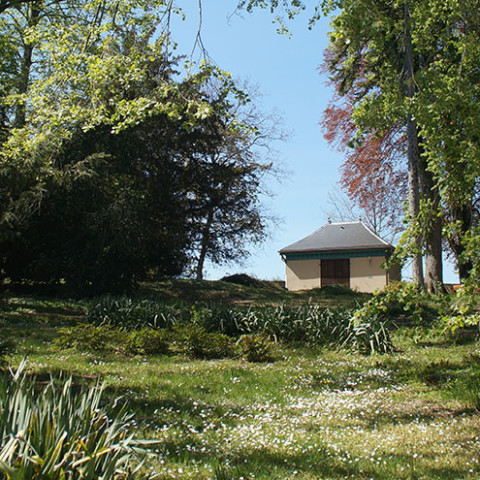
255 348
242 279
197 342
147 341
62 433
336 290
371 324
87 338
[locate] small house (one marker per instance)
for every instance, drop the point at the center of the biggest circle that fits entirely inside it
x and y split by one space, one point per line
348 253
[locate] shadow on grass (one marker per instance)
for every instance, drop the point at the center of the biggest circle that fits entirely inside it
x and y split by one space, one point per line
251 292
58 377
412 468
319 463
419 416
221 291
29 312
263 463
437 373
171 405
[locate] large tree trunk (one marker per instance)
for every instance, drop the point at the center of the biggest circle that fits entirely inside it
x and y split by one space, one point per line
33 17
433 234
434 254
414 196
204 245
424 183
413 154
464 216
433 258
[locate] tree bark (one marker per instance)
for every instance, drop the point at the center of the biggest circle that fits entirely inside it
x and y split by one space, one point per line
433 257
33 16
433 234
464 215
413 154
204 245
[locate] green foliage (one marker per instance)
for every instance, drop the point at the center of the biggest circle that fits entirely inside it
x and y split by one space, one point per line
106 338
454 323
411 69
7 347
197 342
366 329
61 432
463 312
90 338
242 279
147 341
466 388
372 322
255 348
310 322
126 312
124 155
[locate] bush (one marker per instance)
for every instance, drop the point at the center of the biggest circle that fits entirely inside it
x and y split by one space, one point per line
197 342
61 433
147 341
242 279
371 324
88 338
336 290
255 348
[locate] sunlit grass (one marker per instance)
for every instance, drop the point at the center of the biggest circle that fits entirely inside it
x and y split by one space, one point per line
308 414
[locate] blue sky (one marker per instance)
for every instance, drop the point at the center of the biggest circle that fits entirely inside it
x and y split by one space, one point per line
285 70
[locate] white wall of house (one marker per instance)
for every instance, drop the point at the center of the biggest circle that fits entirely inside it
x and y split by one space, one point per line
302 274
366 274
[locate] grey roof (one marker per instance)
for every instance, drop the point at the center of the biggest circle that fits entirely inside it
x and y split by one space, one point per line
338 236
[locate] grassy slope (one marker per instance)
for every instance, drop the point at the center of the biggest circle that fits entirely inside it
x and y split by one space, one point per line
258 291
308 415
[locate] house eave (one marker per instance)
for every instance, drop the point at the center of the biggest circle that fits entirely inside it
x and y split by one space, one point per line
337 249
336 253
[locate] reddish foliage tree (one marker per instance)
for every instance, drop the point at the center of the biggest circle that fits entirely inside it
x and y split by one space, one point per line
373 174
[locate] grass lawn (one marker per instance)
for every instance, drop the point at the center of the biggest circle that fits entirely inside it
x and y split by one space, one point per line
309 414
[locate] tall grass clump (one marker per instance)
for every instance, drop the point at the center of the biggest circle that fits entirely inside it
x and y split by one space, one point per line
310 323
62 433
133 314
366 329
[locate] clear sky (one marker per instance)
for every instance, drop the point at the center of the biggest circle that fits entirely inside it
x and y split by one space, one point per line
285 69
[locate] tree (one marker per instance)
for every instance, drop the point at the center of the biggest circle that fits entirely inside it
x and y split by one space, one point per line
404 60
112 158
372 63
448 113
114 205
436 57
225 209
372 174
